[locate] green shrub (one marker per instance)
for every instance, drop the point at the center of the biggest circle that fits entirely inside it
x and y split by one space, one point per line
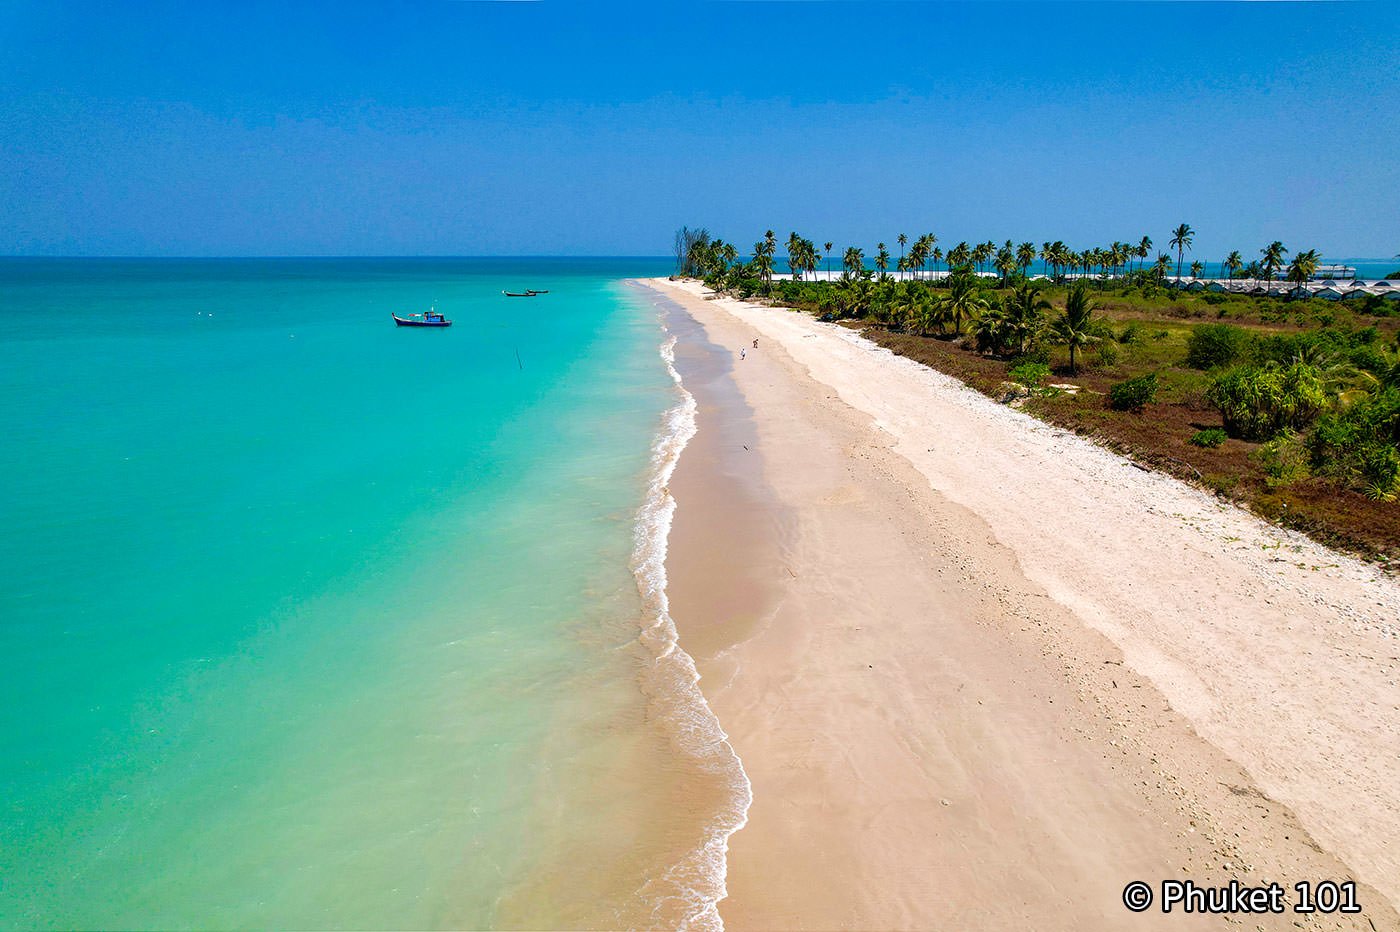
1213 345
1210 438
1105 354
1134 394
1030 374
1259 402
1130 334
1283 459
1359 446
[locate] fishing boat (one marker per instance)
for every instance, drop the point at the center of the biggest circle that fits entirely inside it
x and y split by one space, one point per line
533 291
519 294
428 319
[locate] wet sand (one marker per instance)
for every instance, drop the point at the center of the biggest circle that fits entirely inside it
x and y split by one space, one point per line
935 737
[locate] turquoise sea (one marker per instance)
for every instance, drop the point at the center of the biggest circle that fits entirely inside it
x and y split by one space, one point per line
311 621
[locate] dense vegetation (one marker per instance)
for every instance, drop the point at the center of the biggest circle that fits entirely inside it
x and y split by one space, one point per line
1290 406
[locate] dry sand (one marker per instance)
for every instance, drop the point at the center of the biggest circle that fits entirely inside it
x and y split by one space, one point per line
982 673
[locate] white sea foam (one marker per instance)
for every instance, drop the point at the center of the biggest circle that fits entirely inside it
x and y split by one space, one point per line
693 887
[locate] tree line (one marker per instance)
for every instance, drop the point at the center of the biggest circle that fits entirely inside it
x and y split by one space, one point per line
700 256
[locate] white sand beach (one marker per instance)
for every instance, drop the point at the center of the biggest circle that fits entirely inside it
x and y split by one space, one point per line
983 673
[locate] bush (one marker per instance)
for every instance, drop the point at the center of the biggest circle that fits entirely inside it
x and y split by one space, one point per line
1283 459
1134 394
1030 374
1259 402
1130 334
1105 354
1210 438
1213 345
1360 445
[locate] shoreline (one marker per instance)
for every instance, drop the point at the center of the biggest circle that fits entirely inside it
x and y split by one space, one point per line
1130 747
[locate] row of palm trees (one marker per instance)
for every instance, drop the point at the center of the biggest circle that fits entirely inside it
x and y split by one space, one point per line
1009 325
1114 260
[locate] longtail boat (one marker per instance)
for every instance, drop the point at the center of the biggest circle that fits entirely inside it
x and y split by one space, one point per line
429 319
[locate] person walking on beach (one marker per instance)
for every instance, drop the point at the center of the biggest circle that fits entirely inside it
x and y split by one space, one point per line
742 353
755 342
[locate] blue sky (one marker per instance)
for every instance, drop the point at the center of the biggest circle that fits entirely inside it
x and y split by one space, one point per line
472 128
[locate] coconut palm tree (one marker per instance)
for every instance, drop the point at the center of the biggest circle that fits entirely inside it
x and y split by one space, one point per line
1076 327
882 260
932 241
1024 311
1181 240
1273 258
827 248
1144 249
1196 269
1163 263
1303 267
902 240
964 299
794 254
762 262
981 253
1025 256
959 255
1005 261
918 253
1233 263
854 261
922 316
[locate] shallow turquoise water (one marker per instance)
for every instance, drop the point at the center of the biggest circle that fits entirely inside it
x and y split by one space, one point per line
308 620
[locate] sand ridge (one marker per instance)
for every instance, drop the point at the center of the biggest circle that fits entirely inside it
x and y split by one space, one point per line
1047 634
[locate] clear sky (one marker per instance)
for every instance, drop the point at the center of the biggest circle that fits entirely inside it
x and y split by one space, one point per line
477 128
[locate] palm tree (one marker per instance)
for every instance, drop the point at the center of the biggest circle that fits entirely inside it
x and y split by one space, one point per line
1303 267
1025 256
1196 269
959 255
1144 249
930 241
1181 239
882 260
827 248
763 262
922 315
981 253
964 299
1005 261
1163 263
1233 263
1273 258
794 251
918 253
1024 310
902 240
854 261
936 257
1076 327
